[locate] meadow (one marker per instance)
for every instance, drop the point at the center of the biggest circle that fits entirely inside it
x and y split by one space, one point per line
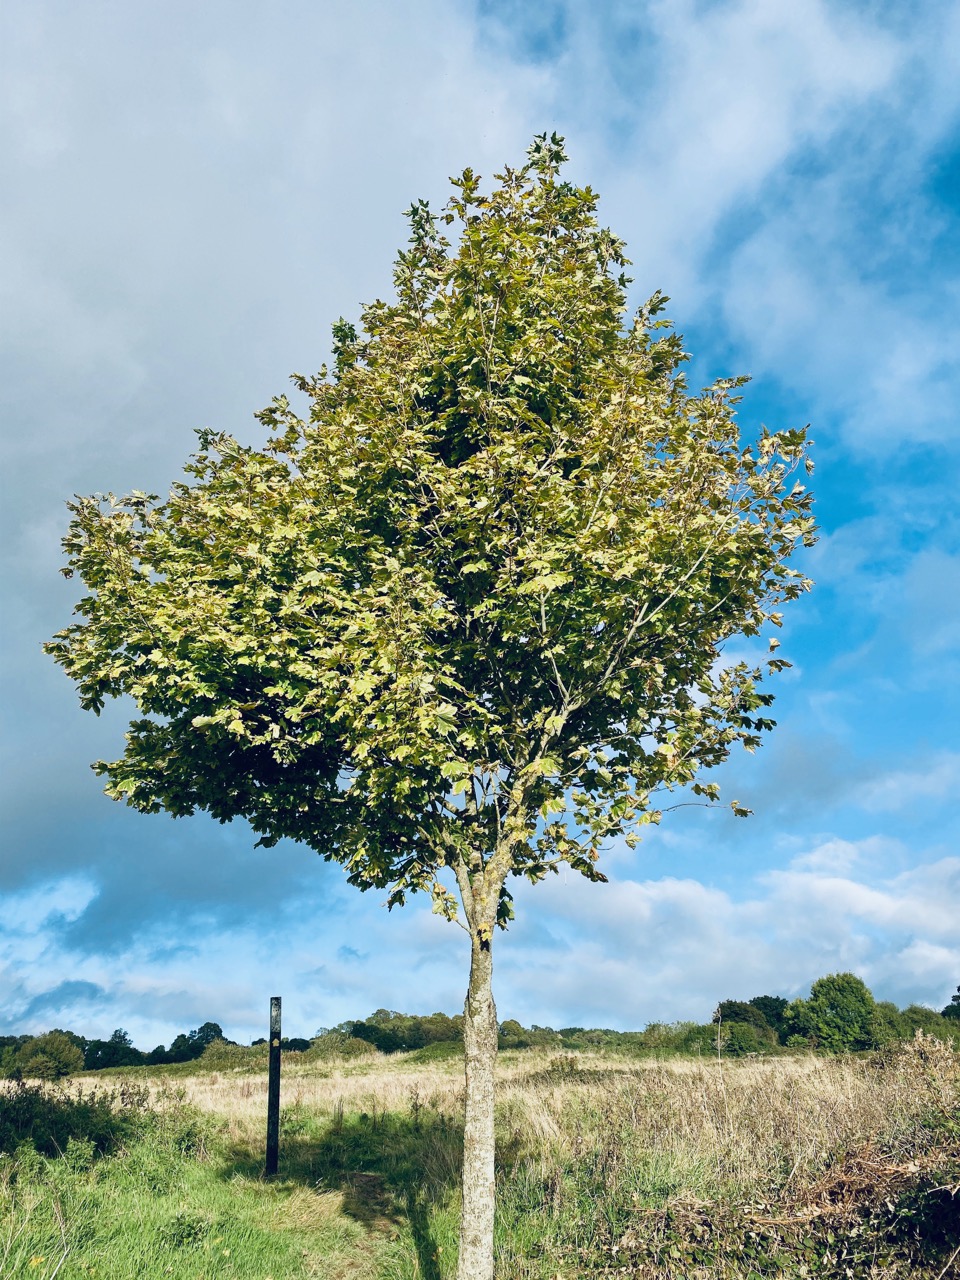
609 1165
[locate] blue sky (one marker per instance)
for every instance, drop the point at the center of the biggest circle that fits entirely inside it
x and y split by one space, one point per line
193 194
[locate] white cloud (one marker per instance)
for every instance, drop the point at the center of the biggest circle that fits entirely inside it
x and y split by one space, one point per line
714 102
769 168
25 914
874 359
934 779
636 951
191 968
837 855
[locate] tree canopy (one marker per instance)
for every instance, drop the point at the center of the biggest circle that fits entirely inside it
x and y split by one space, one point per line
839 1015
476 597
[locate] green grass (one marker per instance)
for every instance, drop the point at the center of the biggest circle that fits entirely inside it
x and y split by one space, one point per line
168 1196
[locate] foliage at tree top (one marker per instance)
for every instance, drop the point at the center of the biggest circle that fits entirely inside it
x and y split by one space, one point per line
468 610
838 1015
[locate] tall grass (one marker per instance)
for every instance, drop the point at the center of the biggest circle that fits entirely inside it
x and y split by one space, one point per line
607 1166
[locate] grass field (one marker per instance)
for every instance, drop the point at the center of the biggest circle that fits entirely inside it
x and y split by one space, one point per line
609 1166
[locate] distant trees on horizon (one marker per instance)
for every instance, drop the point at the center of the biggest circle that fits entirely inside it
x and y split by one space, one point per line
59 1053
840 1015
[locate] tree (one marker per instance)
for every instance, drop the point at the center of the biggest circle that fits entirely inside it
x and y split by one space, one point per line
186 1047
839 1016
381 1038
10 1047
205 1035
118 1051
464 618
293 1044
50 1056
740 1011
773 1009
952 1010
748 1030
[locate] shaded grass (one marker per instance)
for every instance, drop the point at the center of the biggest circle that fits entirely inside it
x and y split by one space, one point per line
169 1202
393 1174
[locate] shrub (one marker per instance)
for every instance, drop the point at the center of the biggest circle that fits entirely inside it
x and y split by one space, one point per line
745 1037
337 1044
49 1118
222 1055
438 1051
50 1056
917 1017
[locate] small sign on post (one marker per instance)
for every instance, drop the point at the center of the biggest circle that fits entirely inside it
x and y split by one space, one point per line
273 1090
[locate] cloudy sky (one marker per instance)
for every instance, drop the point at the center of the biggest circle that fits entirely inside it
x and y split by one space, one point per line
190 195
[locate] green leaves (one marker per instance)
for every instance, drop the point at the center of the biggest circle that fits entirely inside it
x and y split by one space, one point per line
467 606
544 583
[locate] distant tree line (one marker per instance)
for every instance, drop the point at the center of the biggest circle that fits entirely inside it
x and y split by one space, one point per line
59 1053
392 1032
840 1015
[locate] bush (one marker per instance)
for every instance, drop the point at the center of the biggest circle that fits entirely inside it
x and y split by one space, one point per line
672 1037
337 1044
917 1017
351 1047
222 1055
50 1056
48 1119
438 1051
888 1024
745 1037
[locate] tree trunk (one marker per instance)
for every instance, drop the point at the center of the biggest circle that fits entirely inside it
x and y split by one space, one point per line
480 1046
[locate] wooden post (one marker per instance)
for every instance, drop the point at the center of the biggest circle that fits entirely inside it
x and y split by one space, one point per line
273 1091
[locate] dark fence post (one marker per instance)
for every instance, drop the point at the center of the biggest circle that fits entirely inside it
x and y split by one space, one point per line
273 1090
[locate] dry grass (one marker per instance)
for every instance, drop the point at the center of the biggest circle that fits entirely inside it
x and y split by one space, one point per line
746 1123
